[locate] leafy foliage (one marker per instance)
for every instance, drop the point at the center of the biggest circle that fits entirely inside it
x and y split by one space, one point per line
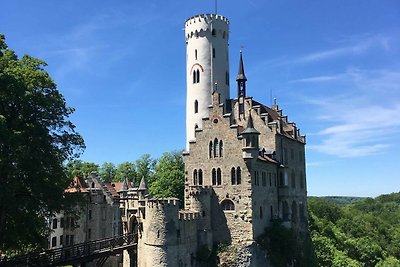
169 176
363 233
36 137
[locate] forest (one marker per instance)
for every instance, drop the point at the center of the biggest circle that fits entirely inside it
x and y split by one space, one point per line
364 232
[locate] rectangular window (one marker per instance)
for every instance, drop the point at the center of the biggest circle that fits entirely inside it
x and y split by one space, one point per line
67 240
264 179
54 223
89 233
71 239
54 241
61 240
90 214
213 52
62 222
103 213
270 178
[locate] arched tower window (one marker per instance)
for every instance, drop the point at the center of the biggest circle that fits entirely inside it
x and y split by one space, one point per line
215 148
196 106
195 177
221 148
194 76
285 211
198 76
227 205
238 175
195 54
200 174
214 176
233 176
294 212
219 178
213 32
210 149
213 52
293 178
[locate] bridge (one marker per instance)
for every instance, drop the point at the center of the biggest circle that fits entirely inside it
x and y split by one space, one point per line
78 253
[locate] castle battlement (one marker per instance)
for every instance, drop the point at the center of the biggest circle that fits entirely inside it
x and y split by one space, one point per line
206 25
188 215
162 202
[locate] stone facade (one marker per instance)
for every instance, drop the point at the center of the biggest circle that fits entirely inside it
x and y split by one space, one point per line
244 167
98 217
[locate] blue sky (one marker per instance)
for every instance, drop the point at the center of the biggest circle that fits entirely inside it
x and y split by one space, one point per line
333 65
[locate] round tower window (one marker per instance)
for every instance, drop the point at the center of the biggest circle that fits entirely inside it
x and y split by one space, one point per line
215 120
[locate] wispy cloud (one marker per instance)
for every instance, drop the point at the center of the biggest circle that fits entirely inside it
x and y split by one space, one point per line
353 47
361 120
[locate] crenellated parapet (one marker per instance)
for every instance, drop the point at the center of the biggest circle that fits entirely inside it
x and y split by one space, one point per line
206 25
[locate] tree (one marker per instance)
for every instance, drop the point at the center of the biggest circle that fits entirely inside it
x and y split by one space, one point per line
80 168
107 172
36 137
145 168
126 170
169 176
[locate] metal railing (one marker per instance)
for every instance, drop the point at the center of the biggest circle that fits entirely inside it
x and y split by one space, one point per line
77 253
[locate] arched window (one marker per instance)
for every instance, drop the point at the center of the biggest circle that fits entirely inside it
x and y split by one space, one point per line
285 211
195 177
294 211
195 54
213 53
219 179
271 211
198 76
238 175
293 178
221 148
214 176
196 127
196 106
194 76
200 177
233 176
210 149
227 205
215 148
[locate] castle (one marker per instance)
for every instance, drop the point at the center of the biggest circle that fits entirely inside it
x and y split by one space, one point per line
244 167
244 164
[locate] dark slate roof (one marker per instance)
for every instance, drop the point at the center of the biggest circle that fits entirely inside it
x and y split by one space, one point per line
250 126
241 76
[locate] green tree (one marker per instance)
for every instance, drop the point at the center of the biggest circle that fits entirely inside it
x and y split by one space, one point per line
36 137
169 176
107 172
81 168
145 168
126 170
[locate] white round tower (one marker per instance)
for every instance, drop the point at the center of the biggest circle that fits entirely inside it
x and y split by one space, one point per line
207 67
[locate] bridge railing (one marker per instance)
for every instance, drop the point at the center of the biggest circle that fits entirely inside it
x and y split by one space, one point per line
71 253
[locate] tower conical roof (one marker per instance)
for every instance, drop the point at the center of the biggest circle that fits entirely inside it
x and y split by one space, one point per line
250 126
241 75
143 184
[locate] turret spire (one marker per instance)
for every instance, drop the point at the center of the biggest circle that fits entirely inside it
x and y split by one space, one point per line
241 78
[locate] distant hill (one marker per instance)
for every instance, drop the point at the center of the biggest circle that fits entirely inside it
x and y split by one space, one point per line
342 200
356 232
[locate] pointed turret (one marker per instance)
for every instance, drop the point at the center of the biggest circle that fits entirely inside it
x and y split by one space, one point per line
241 78
250 139
143 184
